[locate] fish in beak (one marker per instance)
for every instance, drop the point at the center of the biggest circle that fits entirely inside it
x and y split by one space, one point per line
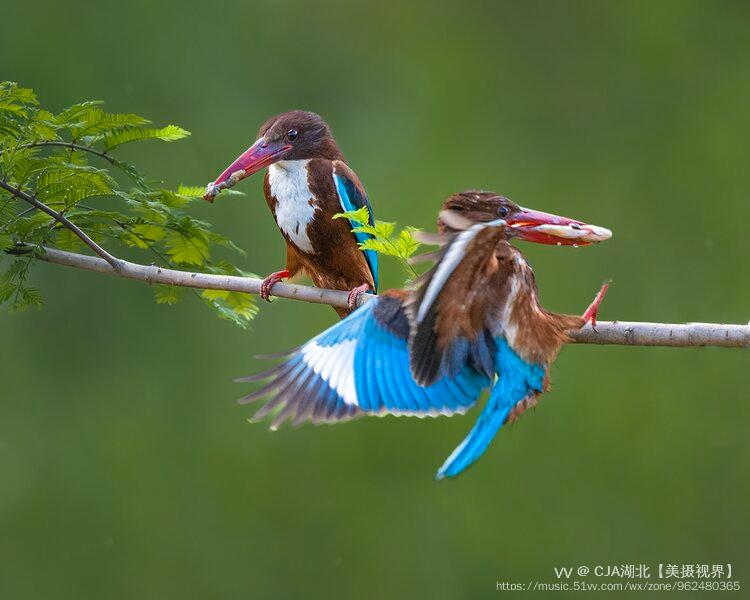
258 156
545 228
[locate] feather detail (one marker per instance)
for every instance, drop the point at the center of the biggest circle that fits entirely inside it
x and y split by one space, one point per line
453 300
516 381
361 366
352 196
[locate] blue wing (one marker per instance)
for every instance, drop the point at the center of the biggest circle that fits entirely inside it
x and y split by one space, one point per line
383 379
516 381
352 197
360 366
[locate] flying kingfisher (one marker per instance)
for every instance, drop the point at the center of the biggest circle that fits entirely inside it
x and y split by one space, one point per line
307 183
474 322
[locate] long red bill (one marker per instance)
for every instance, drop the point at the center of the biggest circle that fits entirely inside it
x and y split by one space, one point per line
256 157
545 228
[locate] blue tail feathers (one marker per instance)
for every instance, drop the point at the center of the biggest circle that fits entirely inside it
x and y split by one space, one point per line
516 380
474 445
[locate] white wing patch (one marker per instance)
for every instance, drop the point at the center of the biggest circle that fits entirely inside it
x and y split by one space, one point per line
335 364
455 255
296 204
451 260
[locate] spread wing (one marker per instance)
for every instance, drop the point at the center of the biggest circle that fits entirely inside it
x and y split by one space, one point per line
353 196
360 366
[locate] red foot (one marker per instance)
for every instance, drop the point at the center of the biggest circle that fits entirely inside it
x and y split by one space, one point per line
270 281
355 294
590 314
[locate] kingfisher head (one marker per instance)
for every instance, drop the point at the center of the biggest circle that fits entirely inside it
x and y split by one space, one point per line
293 135
527 224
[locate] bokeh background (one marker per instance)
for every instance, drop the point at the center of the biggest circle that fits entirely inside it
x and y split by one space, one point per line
129 472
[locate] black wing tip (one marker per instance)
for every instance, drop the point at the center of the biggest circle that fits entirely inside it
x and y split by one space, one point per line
252 378
273 371
276 355
256 395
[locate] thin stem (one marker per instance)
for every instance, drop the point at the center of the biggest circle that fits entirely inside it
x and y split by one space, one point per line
22 277
72 146
115 263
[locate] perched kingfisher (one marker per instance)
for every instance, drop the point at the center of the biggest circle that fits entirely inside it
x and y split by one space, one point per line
307 182
473 323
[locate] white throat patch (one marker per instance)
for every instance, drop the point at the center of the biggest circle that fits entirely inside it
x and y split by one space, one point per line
294 211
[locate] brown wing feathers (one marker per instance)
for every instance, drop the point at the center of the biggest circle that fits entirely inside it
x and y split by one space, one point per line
449 308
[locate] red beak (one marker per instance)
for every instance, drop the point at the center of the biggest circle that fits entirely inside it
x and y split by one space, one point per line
256 157
545 228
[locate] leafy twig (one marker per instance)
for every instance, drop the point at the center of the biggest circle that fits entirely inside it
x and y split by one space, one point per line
114 262
72 146
379 237
60 177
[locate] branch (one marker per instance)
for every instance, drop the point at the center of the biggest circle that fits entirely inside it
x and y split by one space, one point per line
114 263
607 332
628 333
72 146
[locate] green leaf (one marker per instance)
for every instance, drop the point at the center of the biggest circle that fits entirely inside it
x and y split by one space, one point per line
171 199
383 238
169 133
65 239
220 240
192 192
131 172
233 306
168 294
42 126
10 90
148 232
406 244
6 241
17 163
31 226
361 216
93 121
13 287
29 298
70 184
11 106
76 115
187 247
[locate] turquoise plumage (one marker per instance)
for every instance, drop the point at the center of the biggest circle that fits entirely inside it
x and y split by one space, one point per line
353 198
472 324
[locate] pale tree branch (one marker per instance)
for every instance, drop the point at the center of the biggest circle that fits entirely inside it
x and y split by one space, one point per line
607 332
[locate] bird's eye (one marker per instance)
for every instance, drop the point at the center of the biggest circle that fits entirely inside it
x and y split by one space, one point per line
503 212
292 134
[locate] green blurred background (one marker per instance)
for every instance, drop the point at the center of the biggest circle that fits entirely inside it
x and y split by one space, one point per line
129 472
